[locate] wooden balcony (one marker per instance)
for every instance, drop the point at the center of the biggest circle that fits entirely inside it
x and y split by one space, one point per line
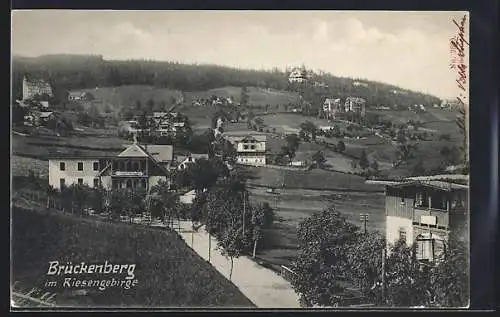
434 218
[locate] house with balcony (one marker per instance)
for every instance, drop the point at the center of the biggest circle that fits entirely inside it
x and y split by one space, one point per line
250 149
135 167
425 212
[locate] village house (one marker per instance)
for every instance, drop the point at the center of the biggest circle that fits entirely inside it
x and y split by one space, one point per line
135 167
331 107
250 149
425 210
189 159
35 87
299 75
356 105
80 96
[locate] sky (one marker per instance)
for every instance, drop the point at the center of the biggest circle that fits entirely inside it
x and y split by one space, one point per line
407 49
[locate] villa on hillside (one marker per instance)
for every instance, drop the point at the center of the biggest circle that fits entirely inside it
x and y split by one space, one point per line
356 105
299 75
331 107
251 149
138 166
426 210
80 96
35 87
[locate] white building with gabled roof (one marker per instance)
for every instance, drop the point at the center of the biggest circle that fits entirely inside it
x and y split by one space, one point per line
135 167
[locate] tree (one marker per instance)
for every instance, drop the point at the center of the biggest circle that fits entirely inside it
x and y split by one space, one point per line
291 146
354 164
244 98
340 146
150 104
165 200
406 281
259 122
309 129
203 174
418 168
375 167
262 218
323 258
363 160
461 122
365 261
319 158
51 193
450 278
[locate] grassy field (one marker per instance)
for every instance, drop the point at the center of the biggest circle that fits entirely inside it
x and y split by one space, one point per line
257 96
42 146
21 165
169 273
293 206
315 179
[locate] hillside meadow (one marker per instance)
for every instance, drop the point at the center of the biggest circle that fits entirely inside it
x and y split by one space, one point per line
168 272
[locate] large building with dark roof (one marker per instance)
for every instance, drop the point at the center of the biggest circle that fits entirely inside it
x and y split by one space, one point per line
33 87
135 167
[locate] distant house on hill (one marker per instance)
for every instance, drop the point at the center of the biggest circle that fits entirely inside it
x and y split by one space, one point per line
299 75
80 96
356 105
331 107
35 87
251 149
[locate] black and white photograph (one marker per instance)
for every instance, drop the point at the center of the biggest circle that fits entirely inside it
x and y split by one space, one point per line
239 159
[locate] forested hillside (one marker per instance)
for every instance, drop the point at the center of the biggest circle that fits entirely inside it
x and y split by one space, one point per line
66 72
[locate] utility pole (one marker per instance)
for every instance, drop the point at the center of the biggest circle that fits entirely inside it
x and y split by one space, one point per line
244 211
383 274
364 219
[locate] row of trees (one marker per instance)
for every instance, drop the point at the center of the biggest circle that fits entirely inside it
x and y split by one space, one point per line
333 252
78 72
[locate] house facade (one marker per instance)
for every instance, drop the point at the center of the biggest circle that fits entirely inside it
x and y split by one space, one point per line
356 105
189 159
425 212
33 87
250 149
331 107
299 75
135 167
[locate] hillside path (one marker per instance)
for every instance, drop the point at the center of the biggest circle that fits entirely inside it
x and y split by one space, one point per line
264 287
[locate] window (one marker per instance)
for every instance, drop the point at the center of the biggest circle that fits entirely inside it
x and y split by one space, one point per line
402 201
80 181
419 199
62 166
402 234
252 147
245 147
80 166
129 183
62 182
424 249
96 166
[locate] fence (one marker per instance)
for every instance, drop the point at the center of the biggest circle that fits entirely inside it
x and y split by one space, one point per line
287 273
31 297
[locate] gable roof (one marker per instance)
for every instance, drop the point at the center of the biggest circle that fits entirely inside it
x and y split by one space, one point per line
161 153
133 150
446 186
